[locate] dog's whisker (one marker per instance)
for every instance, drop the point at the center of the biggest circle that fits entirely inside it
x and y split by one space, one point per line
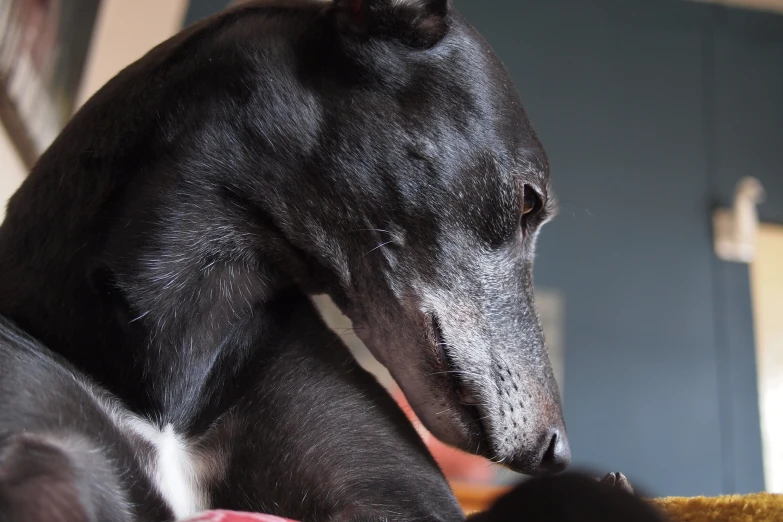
458 372
379 247
562 203
497 460
139 318
373 230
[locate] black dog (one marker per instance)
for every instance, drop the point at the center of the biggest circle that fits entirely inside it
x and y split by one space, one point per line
572 497
159 258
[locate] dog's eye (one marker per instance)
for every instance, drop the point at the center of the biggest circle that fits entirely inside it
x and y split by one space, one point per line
532 201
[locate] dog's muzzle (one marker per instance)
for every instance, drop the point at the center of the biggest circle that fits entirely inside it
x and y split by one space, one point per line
502 429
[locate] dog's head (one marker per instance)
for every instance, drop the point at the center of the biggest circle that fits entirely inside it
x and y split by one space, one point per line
425 189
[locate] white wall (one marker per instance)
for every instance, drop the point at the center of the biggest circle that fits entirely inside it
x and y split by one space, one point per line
767 286
125 30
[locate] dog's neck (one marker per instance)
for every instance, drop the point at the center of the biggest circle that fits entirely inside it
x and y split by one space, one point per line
160 311
158 333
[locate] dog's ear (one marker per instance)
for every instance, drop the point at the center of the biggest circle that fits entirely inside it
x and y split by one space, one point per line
418 23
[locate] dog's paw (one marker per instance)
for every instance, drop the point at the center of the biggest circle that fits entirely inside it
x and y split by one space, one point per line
617 480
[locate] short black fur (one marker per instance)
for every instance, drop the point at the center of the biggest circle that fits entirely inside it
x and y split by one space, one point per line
159 258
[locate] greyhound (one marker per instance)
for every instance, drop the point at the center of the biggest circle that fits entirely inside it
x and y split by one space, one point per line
160 353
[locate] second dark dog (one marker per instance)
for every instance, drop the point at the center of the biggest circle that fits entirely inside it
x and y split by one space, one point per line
572 497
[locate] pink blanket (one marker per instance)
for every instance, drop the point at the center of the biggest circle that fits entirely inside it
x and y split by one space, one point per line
232 516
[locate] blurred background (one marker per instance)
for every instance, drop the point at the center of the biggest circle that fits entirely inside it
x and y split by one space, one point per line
662 300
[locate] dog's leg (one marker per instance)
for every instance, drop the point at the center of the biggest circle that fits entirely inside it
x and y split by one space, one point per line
316 438
314 442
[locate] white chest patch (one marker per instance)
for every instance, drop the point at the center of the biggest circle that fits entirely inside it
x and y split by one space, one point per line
176 470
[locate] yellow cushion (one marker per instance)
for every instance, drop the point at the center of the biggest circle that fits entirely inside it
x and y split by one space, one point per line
760 507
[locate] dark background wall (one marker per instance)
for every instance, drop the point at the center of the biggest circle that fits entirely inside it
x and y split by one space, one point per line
651 111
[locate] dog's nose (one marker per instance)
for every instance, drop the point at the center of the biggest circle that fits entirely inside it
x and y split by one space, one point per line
557 456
